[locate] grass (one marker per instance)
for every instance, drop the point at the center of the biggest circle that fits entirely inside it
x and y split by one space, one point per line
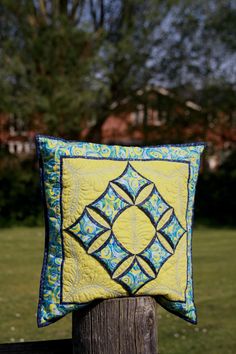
21 251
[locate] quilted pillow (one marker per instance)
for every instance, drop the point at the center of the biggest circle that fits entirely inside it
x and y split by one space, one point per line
118 223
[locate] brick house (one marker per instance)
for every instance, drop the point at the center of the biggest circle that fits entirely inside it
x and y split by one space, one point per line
152 116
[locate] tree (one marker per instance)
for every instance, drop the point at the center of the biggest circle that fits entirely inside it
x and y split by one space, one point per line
49 65
68 62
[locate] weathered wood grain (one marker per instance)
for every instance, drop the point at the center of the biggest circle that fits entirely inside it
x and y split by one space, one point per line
116 326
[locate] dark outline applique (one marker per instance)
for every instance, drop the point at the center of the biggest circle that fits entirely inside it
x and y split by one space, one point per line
147 260
95 222
166 235
147 212
135 195
101 212
126 272
103 261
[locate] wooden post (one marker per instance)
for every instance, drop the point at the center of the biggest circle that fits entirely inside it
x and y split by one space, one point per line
116 326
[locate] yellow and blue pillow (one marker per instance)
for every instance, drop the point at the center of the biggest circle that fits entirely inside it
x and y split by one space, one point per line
118 223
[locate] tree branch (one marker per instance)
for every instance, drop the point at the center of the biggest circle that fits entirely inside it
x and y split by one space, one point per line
101 22
63 7
74 8
93 14
77 9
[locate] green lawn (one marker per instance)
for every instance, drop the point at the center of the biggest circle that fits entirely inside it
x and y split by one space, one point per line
21 251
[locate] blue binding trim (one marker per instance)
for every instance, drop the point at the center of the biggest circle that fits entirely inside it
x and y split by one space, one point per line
46 241
61 231
113 145
177 313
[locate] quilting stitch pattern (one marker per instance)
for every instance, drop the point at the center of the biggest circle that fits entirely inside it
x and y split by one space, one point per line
112 254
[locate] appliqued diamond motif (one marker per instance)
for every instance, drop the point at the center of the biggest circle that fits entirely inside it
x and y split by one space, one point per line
155 254
154 206
86 229
134 277
131 182
172 231
112 254
109 204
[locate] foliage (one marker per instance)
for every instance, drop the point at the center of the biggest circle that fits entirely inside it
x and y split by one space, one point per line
198 44
216 199
20 197
67 61
216 195
49 66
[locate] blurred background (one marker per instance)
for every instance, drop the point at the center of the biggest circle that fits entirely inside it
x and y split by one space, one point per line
141 72
118 72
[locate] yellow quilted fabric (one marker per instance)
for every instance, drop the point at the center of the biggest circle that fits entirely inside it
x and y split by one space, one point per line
84 181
